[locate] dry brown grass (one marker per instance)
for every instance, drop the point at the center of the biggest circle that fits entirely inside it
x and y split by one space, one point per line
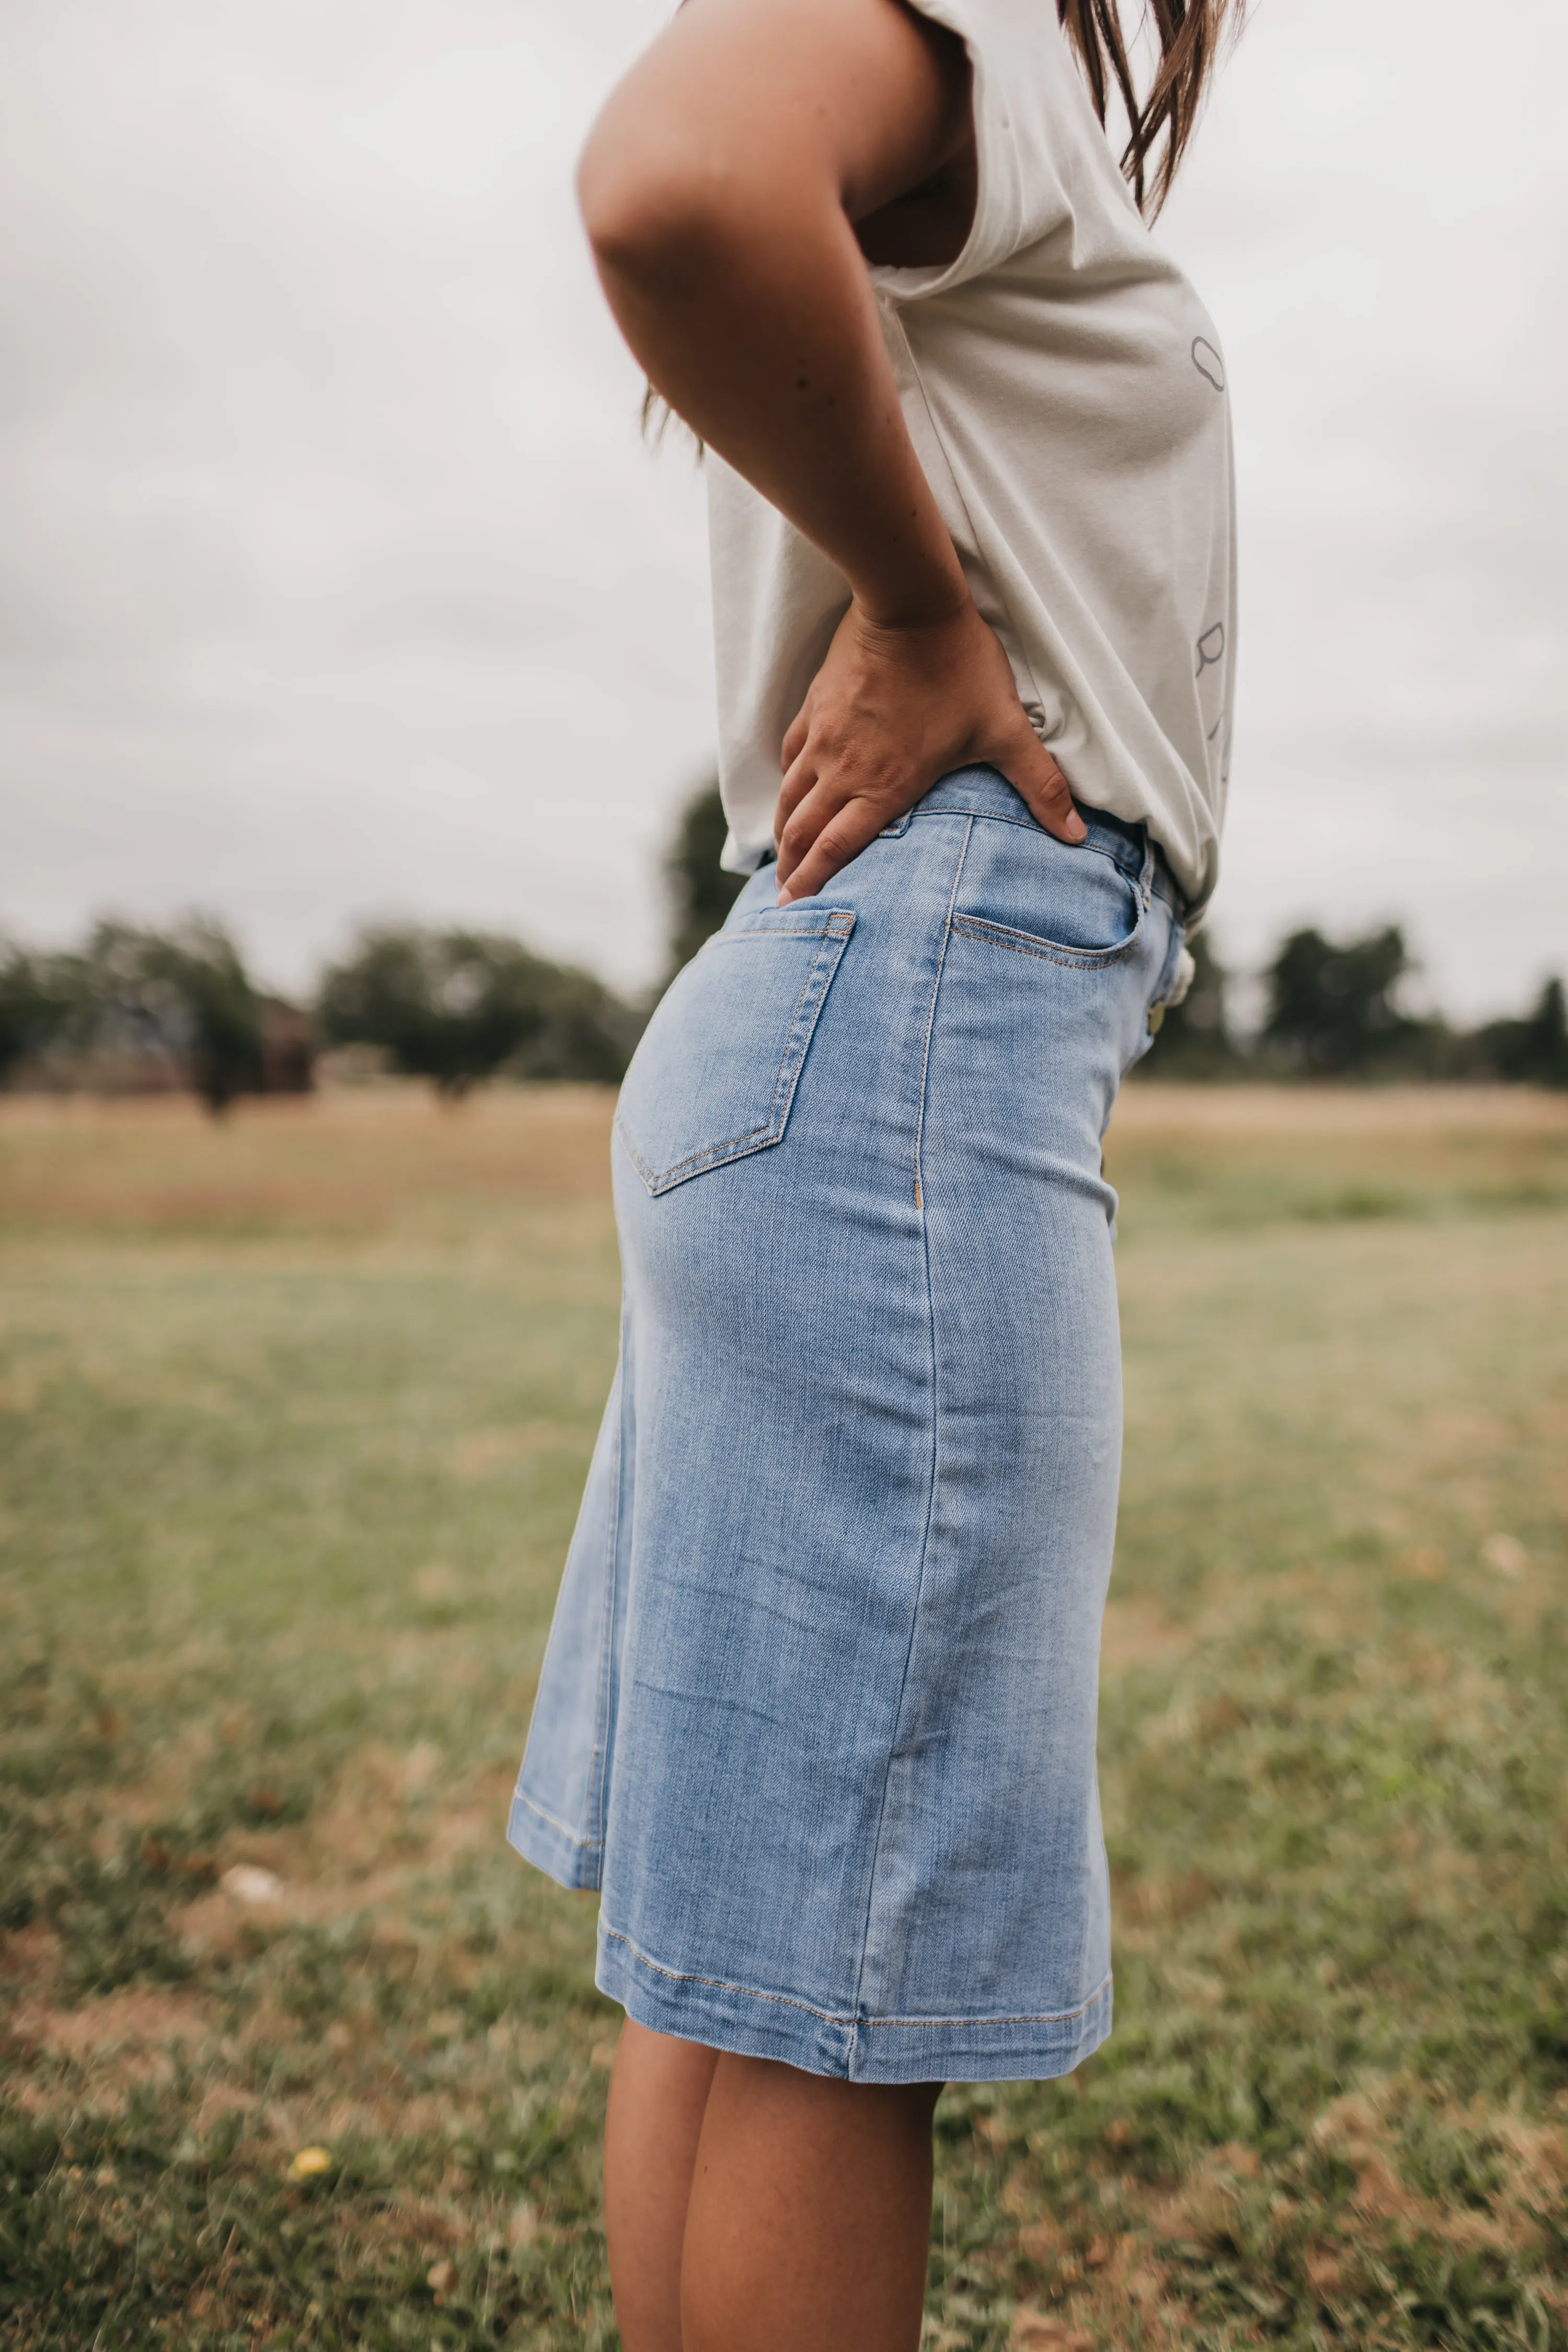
296 1409
350 1163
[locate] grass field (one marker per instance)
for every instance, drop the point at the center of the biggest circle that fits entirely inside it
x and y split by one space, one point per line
293 1413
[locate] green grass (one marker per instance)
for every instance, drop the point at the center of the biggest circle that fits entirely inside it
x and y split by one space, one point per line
293 1414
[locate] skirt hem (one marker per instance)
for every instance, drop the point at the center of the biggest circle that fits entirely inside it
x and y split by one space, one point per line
572 1861
749 2023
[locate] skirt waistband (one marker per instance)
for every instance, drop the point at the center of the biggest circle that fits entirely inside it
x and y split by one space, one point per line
985 792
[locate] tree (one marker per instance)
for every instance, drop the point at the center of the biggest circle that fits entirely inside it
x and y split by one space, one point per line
199 968
180 999
1193 1040
701 893
1332 1009
183 994
456 1006
40 997
587 1032
1534 1051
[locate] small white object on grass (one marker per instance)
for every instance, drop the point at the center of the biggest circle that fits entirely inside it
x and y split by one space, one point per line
248 1882
1506 1554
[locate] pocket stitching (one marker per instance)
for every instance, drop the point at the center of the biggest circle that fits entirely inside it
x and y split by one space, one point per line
837 927
1002 935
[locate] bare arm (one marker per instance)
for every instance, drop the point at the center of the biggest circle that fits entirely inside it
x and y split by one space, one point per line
720 186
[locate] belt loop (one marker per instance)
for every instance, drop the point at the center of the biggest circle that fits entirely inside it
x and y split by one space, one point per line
1146 879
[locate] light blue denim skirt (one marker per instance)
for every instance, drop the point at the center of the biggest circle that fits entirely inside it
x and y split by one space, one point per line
817 1712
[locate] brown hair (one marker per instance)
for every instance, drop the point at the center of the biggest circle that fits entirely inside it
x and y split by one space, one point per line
1192 34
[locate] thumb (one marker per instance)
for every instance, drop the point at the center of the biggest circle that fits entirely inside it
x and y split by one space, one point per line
1040 783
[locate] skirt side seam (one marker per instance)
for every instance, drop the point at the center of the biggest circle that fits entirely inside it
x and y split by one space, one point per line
604 1727
930 1019
931 1483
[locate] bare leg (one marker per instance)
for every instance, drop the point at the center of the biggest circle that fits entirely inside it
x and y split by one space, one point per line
658 2093
810 2214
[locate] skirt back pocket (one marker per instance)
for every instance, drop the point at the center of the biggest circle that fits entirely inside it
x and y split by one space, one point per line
716 1072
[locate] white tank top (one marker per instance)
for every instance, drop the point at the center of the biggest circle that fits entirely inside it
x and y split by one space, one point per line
1066 394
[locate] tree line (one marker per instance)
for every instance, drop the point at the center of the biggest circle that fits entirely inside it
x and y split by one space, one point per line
139 1007
1331 1010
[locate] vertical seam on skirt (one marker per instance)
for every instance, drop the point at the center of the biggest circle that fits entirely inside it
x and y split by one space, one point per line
602 1709
931 1487
930 1016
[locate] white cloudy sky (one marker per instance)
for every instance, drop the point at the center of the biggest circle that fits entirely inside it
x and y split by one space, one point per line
333 579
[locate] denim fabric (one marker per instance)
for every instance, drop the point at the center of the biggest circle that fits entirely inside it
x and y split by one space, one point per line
817 1712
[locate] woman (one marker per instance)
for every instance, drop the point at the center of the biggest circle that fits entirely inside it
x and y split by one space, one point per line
818 1710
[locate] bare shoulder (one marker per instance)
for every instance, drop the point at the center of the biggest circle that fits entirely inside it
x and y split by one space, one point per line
867 92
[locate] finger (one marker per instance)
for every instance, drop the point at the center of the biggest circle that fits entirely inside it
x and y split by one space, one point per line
843 837
1040 783
813 808
794 743
800 778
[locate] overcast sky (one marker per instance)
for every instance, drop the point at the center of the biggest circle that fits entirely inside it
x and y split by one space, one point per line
335 580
